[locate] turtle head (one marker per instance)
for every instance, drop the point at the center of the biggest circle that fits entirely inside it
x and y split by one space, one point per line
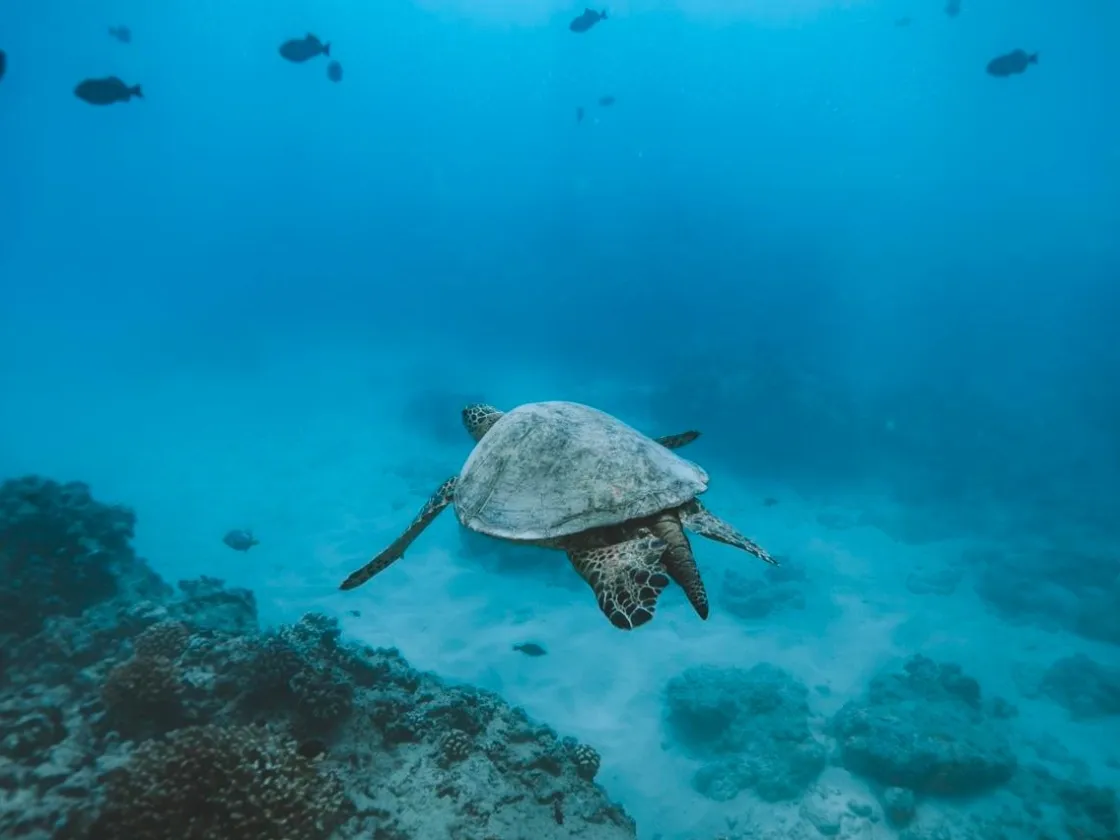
478 418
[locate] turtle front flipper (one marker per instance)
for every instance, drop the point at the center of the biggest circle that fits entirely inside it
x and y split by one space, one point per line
698 519
432 508
627 578
677 441
679 561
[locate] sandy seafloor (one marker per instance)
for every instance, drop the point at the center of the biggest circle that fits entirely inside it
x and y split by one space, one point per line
315 451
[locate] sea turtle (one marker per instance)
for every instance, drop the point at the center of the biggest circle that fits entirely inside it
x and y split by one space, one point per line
567 476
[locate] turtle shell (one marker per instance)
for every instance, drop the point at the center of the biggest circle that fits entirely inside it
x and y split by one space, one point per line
551 469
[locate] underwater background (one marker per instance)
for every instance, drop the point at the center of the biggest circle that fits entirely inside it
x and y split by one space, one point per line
881 281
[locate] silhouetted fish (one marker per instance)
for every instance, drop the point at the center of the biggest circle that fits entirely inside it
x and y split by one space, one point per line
334 71
240 539
121 33
903 21
769 501
607 101
3 63
303 49
1013 62
106 91
588 19
953 8
530 649
579 114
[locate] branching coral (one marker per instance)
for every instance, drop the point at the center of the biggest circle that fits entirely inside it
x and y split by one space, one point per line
215 783
142 694
305 666
168 639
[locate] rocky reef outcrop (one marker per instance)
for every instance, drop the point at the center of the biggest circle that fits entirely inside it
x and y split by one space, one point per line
926 729
129 709
1083 686
925 734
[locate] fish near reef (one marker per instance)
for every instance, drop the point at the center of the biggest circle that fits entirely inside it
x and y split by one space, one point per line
334 71
607 101
106 91
582 23
121 33
304 49
3 63
240 540
1014 62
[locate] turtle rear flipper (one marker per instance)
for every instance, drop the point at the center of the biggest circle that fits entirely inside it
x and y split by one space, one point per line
679 561
432 508
698 519
677 441
627 578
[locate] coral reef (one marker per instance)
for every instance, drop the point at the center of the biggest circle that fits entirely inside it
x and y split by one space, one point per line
143 695
750 727
255 784
58 551
144 712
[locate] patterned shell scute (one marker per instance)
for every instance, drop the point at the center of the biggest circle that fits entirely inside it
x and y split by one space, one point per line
551 469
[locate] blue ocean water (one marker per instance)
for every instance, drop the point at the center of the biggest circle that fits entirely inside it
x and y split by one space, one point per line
881 282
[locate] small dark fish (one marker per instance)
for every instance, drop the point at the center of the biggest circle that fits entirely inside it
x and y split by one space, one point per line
903 21
530 649
355 613
334 71
3 63
304 49
1013 62
769 501
579 114
588 19
106 91
121 33
240 540
607 101
557 811
953 8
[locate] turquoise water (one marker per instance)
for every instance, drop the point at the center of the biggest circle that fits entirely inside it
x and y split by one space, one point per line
880 281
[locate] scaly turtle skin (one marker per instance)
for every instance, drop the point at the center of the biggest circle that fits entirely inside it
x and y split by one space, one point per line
570 477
